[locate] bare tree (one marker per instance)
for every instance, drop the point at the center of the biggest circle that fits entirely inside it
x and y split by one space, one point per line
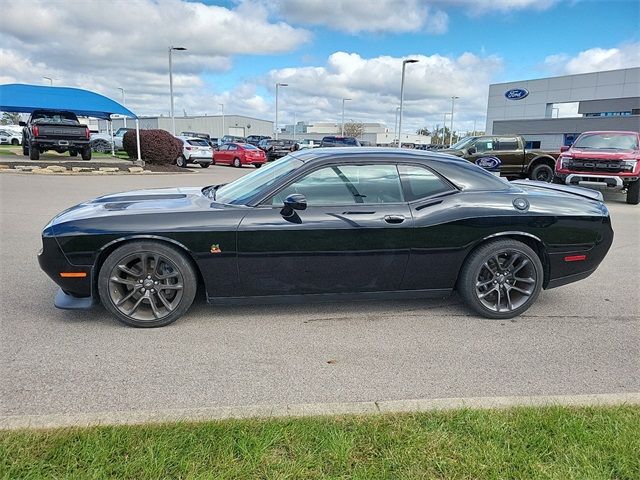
353 129
423 131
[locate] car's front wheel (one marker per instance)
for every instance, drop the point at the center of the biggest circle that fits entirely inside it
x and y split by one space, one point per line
501 279
542 173
237 163
633 193
147 284
34 153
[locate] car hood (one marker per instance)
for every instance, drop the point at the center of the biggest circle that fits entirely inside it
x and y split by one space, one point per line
136 202
603 154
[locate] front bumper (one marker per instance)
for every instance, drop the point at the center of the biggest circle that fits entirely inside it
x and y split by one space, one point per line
65 301
54 263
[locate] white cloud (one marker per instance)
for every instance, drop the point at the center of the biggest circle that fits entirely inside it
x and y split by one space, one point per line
103 46
316 93
395 16
595 60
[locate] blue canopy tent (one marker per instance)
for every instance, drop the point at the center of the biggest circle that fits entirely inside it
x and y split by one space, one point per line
17 97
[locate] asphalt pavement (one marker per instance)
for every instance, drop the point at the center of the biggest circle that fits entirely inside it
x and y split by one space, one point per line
579 339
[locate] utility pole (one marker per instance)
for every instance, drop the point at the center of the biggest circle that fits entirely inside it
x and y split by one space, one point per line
404 64
173 118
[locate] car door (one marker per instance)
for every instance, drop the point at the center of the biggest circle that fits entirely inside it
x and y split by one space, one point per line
436 243
353 236
511 155
483 148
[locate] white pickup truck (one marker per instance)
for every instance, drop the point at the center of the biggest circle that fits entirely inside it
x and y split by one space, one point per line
101 142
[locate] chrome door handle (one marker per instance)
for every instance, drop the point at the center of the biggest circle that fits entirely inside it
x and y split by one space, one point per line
394 218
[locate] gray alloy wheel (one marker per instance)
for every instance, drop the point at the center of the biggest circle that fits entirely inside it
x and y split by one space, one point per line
237 163
181 161
501 279
147 284
100 146
542 173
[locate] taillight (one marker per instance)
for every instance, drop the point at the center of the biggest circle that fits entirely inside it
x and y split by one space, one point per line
36 131
87 133
188 148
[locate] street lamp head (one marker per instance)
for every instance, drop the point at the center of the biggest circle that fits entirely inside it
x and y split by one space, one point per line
454 97
282 84
410 60
177 48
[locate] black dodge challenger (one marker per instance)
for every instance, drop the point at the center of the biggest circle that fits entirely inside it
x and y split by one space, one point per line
356 223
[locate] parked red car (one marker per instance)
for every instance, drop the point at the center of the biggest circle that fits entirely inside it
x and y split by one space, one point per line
239 154
607 159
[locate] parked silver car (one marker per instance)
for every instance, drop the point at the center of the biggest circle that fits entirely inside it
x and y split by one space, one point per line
195 150
8 137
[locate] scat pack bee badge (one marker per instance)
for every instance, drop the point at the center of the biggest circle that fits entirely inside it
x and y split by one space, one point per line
215 248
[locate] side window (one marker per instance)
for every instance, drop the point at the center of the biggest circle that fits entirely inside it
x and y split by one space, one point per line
347 185
223 148
507 143
420 183
232 147
484 145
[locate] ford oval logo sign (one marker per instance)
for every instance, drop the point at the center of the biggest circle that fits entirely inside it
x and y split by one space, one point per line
516 94
490 163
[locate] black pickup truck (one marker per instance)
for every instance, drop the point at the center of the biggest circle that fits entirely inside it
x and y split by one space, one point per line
55 130
507 154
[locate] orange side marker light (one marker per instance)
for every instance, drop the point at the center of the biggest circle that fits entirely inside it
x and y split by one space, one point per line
73 274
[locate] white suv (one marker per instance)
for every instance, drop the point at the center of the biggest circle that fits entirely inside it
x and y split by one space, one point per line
195 150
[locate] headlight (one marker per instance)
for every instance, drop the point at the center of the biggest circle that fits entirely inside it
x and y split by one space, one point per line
630 165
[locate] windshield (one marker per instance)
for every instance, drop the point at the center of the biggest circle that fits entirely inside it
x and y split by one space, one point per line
200 143
248 146
463 143
604 141
242 190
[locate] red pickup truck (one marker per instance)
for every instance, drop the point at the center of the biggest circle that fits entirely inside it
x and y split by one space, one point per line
610 159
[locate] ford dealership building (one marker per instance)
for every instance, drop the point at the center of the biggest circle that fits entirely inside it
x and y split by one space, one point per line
553 111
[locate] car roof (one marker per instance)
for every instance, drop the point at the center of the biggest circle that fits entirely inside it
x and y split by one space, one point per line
181 137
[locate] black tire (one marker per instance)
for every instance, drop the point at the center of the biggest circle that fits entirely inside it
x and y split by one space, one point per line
633 193
34 153
257 165
15 142
542 173
73 153
148 309
479 286
25 149
181 161
86 153
205 165
237 163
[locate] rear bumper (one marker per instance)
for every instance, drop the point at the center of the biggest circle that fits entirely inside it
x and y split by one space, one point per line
59 143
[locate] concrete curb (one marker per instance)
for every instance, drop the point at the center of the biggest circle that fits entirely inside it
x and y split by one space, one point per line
13 422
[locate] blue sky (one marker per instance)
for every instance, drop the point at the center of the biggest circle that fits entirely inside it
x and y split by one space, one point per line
325 50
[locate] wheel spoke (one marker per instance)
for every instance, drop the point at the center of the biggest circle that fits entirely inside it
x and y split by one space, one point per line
154 308
132 310
128 271
485 294
164 301
509 304
177 286
481 284
522 291
525 280
125 298
524 263
488 267
124 281
167 275
498 302
513 259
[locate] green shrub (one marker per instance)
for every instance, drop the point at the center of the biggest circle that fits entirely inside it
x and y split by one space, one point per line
156 146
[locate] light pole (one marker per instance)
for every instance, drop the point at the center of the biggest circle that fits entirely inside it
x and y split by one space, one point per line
173 119
453 101
395 125
342 128
50 80
294 126
222 106
278 85
124 104
404 64
444 125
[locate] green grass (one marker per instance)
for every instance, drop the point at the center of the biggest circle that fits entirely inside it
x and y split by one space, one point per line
549 442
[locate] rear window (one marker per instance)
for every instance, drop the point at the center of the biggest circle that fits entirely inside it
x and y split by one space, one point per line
54 117
248 146
199 143
420 183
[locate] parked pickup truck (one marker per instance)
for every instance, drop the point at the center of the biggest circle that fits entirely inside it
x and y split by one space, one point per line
55 130
506 154
101 142
604 159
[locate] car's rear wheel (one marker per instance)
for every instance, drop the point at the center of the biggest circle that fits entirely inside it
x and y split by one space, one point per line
542 173
501 279
86 153
15 141
205 165
25 148
181 161
34 153
147 284
633 193
257 165
237 163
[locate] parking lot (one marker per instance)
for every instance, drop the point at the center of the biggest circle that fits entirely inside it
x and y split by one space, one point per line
579 339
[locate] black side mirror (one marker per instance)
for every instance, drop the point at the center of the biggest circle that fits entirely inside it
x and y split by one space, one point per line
293 202
22 124
471 150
